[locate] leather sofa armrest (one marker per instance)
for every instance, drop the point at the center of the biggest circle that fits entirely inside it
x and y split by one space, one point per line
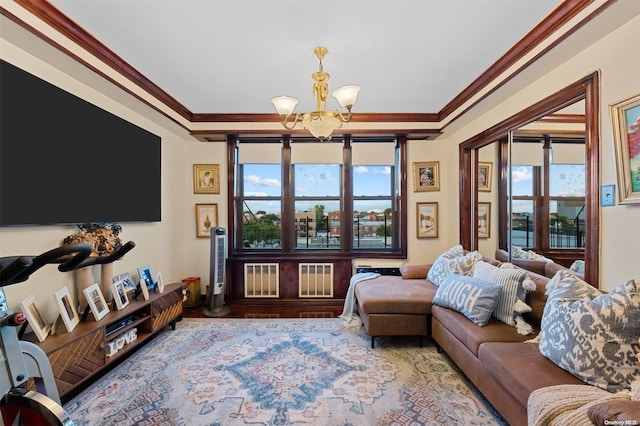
413 272
615 412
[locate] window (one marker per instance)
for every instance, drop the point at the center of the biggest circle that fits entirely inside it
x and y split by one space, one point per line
310 197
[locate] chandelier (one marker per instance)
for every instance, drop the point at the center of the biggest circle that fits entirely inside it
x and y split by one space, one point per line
320 123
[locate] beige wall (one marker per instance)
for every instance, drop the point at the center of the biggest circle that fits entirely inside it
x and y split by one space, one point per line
164 245
171 246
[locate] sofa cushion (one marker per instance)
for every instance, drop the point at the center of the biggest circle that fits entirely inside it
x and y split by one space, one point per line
593 335
521 369
511 303
472 297
393 295
470 334
412 272
461 265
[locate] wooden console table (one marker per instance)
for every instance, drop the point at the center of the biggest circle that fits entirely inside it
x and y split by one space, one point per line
79 356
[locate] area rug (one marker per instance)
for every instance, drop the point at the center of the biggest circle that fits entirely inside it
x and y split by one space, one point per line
281 372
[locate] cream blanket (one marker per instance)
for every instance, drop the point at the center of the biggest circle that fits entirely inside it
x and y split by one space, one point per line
566 405
350 310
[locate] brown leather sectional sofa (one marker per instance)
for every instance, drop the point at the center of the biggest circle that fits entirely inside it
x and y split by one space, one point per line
497 360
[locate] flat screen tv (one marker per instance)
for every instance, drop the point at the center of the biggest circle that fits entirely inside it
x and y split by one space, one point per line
64 160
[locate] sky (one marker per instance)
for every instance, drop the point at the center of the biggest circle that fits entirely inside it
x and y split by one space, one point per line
317 179
324 180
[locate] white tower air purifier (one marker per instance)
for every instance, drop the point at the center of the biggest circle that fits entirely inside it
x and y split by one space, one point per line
215 294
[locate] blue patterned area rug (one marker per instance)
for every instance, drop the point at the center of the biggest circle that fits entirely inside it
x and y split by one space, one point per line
281 372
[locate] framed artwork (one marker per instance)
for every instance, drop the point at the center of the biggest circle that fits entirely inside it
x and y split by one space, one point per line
206 217
427 214
128 283
206 178
68 311
119 295
145 275
484 176
160 282
484 220
625 117
426 176
31 309
95 298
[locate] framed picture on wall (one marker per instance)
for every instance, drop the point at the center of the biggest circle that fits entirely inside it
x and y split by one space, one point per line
625 117
484 176
31 309
206 217
206 178
484 220
427 217
426 176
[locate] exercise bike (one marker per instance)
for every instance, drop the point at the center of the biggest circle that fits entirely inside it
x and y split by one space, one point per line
21 361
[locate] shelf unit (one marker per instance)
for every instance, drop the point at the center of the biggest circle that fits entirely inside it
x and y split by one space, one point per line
79 356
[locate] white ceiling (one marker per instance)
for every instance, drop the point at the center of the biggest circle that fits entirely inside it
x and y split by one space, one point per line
233 56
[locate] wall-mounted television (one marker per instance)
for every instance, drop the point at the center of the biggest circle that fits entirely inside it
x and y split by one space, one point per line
64 160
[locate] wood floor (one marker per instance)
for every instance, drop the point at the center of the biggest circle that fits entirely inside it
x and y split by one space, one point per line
312 309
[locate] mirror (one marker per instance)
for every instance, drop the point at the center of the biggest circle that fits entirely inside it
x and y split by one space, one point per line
495 143
546 187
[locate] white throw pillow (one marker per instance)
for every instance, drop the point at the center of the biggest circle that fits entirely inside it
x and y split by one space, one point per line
511 303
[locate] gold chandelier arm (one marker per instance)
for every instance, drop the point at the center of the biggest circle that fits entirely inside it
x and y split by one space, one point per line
341 117
289 125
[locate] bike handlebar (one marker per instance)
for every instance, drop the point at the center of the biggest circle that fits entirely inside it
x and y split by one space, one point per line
17 269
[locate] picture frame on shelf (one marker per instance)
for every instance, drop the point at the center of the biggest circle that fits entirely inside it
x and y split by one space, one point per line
143 289
206 218
160 282
485 170
427 220
426 176
39 325
119 295
484 220
127 281
625 118
144 272
206 178
67 309
97 303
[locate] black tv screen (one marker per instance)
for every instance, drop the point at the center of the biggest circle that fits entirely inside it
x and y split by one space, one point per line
64 160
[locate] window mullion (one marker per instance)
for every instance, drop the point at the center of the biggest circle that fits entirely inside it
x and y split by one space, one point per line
346 222
288 226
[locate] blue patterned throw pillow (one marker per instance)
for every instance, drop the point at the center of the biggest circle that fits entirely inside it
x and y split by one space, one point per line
472 297
593 335
446 264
